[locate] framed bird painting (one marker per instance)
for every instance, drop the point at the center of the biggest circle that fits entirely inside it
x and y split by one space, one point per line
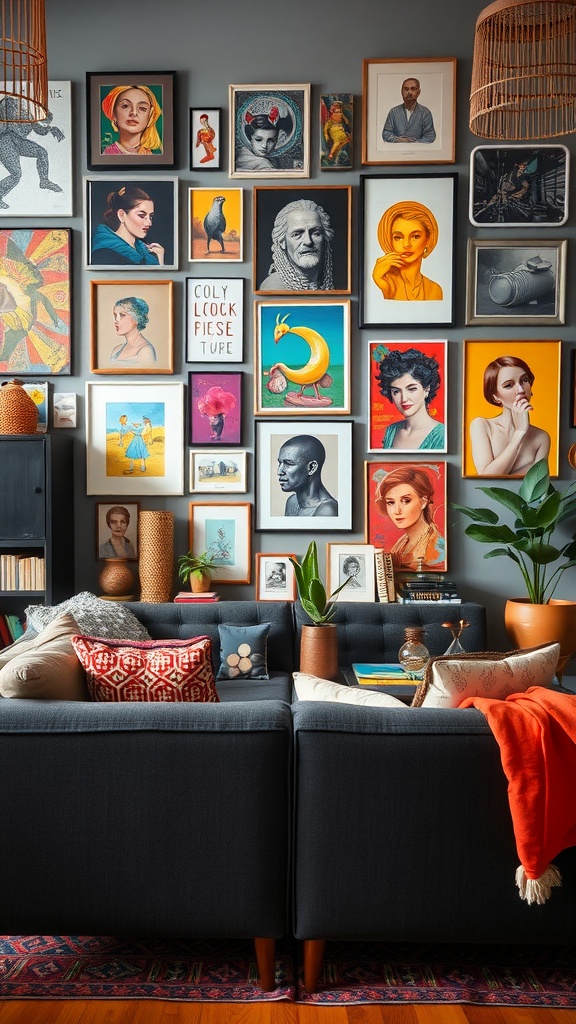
215 225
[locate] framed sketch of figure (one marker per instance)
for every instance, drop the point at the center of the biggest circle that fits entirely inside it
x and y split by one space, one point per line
407 388
406 513
353 563
269 131
130 223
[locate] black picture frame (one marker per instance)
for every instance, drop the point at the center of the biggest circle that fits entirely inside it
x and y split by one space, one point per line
205 153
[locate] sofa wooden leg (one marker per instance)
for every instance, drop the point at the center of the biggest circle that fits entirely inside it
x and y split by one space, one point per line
266 960
313 957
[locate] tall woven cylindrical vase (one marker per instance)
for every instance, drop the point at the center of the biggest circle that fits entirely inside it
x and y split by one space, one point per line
155 563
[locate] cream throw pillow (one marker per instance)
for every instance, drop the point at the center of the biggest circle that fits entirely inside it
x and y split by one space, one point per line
448 680
45 667
310 687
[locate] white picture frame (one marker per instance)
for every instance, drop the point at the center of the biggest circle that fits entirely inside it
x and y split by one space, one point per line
356 563
214 319
224 531
206 475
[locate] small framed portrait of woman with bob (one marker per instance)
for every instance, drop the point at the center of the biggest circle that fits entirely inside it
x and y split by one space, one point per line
406 513
270 131
130 119
407 389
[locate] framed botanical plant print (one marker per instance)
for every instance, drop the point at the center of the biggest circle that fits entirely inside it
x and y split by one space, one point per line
407 231
406 513
205 138
218 471
337 131
302 358
269 131
509 383
519 186
353 563
130 119
132 326
407 389
215 408
215 225
117 530
214 319
130 223
223 530
275 577
516 282
134 438
302 240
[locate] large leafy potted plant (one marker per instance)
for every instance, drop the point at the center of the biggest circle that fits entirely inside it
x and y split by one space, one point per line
198 570
319 640
538 508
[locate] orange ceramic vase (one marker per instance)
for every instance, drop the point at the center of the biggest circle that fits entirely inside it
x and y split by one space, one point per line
319 651
528 625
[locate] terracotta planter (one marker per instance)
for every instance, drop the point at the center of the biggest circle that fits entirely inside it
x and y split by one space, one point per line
116 578
528 625
319 651
200 585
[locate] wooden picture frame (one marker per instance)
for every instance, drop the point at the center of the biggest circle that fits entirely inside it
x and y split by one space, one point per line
430 129
275 577
215 231
121 520
516 282
337 131
407 239
413 501
35 266
218 471
302 250
307 345
205 139
116 414
145 210
269 131
356 563
224 531
408 396
214 319
489 391
214 407
131 327
519 186
109 141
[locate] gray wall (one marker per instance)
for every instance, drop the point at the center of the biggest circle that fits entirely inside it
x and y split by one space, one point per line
322 42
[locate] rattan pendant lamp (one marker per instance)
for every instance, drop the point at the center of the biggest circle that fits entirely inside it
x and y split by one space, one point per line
524 70
23 61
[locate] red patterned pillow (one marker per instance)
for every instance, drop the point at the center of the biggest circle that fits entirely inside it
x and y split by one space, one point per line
147 670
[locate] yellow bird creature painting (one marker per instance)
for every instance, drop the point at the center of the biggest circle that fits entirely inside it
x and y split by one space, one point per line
310 377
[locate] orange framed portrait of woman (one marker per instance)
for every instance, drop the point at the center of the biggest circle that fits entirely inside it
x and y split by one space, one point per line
406 513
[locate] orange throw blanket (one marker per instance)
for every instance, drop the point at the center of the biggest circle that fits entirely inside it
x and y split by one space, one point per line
536 732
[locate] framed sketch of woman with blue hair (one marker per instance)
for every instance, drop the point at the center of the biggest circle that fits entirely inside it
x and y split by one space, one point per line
131 327
269 131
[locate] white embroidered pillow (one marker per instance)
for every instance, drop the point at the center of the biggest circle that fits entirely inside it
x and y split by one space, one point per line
309 687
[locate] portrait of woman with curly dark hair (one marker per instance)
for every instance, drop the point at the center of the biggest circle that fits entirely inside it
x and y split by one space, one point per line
410 379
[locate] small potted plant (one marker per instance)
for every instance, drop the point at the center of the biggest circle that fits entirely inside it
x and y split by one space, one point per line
319 640
198 570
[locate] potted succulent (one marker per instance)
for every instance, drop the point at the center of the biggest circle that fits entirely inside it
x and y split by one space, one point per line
537 509
319 640
198 570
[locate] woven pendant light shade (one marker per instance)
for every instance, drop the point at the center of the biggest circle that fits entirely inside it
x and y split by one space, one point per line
524 70
24 69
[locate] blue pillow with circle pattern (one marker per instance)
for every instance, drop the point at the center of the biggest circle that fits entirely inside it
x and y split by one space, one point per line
243 652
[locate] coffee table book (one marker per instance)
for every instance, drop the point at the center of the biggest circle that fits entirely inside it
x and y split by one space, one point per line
370 673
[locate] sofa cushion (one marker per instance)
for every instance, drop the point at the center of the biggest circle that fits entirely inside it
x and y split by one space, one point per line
45 667
148 670
309 687
448 680
94 616
243 652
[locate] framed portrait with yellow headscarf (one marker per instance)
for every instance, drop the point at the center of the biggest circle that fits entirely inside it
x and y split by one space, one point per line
130 119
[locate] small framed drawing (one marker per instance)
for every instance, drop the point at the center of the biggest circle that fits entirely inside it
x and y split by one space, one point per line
117 530
130 223
38 392
337 131
130 119
64 411
275 578
303 478
214 407
354 565
35 272
501 379
397 126
269 131
205 138
302 240
406 513
519 186
40 186
302 358
221 471
214 319
224 531
407 230
215 225
516 282
134 438
132 326
407 389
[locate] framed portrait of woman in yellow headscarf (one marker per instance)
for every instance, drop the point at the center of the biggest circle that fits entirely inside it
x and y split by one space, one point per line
130 119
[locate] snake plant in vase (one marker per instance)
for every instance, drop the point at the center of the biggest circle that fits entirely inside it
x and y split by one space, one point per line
319 640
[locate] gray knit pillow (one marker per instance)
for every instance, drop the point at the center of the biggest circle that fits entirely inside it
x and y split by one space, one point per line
110 620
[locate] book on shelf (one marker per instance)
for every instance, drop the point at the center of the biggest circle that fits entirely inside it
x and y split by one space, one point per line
385 585
15 626
373 673
5 634
435 590
187 597
22 572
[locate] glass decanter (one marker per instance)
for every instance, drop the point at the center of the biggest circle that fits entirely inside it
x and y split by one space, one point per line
414 655
456 628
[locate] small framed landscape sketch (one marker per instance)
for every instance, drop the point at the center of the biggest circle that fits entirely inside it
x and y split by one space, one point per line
132 326
64 410
223 530
130 223
353 563
214 407
407 396
38 392
215 225
214 319
130 119
117 530
269 131
205 138
218 471
516 282
406 513
337 131
519 186
275 577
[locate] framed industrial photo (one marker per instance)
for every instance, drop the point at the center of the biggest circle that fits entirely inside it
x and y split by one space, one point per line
117 530
35 324
354 565
407 396
214 408
269 131
337 131
511 407
215 225
275 577
221 471
132 326
303 474
302 238
130 223
406 513
302 358
519 186
130 119
205 138
224 531
214 319
135 438
516 282
409 111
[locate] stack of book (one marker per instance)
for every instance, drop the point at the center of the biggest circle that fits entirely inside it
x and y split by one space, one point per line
10 630
435 590
373 674
187 597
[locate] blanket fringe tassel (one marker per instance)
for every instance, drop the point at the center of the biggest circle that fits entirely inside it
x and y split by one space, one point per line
537 890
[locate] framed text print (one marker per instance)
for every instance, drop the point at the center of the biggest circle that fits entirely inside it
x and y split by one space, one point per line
214 319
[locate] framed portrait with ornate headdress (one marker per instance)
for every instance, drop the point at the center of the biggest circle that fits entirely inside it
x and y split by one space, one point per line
270 131
406 513
130 119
